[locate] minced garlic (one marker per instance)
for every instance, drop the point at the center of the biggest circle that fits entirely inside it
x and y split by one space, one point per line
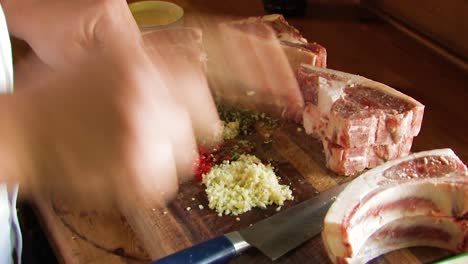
235 187
230 129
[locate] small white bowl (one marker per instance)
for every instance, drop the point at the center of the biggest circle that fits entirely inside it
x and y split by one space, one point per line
151 15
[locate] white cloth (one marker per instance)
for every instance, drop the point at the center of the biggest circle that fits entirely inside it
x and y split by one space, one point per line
10 233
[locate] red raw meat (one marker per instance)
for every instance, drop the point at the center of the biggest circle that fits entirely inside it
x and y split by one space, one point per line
418 200
362 123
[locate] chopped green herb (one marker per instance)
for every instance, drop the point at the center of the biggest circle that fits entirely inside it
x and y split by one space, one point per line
245 119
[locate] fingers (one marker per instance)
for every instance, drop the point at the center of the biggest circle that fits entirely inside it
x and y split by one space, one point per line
96 135
168 118
30 71
178 126
179 57
167 104
154 171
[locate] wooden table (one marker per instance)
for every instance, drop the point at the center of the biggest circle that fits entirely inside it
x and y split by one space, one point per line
355 44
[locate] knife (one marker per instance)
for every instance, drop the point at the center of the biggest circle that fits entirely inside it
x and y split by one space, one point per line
273 236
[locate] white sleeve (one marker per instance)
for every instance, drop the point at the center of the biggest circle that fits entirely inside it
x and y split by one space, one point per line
6 59
10 233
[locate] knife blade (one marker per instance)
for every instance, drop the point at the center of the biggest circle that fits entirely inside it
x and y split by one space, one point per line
273 236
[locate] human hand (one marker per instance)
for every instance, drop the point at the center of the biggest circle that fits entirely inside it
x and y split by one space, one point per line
108 131
63 32
116 127
179 55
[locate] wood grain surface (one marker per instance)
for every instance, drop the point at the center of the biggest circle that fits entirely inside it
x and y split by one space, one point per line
355 43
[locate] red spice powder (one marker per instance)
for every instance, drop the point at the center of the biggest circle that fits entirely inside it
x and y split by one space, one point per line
208 158
203 164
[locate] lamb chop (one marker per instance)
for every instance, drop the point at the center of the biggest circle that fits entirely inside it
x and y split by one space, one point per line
418 200
361 123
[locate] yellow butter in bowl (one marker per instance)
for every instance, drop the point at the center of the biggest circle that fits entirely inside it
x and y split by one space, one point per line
156 14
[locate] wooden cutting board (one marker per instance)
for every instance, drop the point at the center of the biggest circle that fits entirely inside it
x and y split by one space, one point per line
107 238
370 48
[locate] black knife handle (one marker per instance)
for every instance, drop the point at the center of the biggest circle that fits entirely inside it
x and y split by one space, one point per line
216 250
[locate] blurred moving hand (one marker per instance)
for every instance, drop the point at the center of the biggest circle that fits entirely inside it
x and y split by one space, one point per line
116 115
105 121
180 57
63 32
100 133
